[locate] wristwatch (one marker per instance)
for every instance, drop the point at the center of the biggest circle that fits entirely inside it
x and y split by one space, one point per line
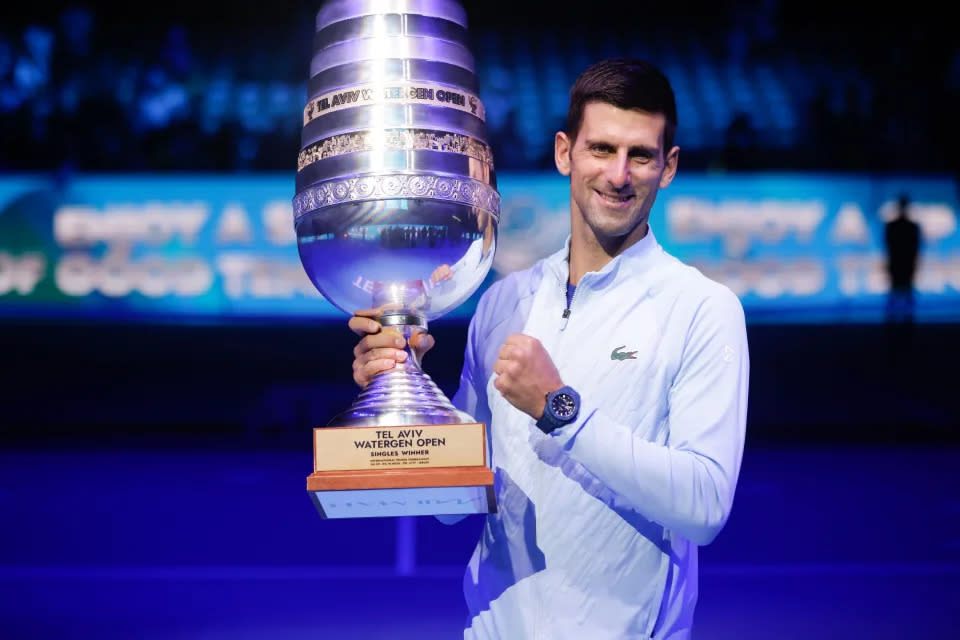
562 408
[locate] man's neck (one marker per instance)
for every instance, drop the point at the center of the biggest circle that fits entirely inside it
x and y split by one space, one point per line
588 254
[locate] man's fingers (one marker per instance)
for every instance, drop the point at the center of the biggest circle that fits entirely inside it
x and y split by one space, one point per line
363 326
520 339
362 375
519 346
421 343
380 340
501 367
507 352
383 353
504 384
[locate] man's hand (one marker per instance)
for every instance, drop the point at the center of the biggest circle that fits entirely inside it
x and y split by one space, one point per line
441 273
525 374
380 350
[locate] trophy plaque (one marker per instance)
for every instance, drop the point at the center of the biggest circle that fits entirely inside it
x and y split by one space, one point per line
396 214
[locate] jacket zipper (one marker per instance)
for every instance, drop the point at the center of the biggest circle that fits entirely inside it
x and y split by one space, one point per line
566 312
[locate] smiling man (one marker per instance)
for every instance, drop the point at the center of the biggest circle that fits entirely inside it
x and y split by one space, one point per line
613 379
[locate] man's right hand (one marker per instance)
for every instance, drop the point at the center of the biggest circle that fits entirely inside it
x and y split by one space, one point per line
380 349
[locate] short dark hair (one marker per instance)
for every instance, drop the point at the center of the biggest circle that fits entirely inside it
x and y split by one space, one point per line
626 83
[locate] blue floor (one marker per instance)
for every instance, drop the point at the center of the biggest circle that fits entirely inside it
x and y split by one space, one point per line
173 541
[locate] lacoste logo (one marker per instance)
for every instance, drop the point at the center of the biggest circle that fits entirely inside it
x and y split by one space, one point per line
623 355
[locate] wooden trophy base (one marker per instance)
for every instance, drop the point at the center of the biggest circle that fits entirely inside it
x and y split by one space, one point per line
402 492
367 472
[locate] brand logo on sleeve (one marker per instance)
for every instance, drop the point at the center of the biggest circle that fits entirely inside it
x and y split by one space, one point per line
617 354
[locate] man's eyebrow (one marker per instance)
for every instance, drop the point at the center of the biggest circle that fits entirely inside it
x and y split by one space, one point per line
598 143
642 150
635 150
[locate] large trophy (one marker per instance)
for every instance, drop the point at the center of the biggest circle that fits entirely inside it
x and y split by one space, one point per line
396 211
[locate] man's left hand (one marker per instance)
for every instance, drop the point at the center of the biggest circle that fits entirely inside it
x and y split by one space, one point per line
525 374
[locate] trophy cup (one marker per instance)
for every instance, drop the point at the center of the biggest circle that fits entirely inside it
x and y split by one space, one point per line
396 210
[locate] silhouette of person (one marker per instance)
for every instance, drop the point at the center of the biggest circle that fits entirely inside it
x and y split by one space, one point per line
739 151
902 241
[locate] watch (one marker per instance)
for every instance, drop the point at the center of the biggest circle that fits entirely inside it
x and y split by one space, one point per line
561 408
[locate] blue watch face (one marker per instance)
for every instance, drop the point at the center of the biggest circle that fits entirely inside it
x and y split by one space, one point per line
563 406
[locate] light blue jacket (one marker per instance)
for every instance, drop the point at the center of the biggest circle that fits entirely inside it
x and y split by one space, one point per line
598 524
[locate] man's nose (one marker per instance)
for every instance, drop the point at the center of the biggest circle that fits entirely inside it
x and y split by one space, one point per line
618 171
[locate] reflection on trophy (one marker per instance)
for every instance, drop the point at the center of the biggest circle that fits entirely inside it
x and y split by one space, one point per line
396 210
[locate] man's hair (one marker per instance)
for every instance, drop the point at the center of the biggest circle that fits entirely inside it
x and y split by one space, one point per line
625 83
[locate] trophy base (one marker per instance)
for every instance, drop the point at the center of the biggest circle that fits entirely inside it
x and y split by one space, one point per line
402 492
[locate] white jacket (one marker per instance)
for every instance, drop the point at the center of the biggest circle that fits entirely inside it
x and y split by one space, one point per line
598 524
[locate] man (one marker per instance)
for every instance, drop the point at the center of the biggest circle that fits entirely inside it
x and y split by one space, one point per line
613 379
901 237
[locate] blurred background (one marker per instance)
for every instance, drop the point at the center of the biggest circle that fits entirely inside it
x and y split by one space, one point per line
165 357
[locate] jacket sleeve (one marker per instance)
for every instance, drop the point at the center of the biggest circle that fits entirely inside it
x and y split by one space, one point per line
471 395
687 484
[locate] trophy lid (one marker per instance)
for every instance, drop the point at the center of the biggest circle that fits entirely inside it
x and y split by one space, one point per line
336 10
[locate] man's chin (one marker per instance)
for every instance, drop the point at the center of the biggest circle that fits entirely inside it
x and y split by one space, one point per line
618 234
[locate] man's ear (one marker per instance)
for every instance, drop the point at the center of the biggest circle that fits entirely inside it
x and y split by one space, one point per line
561 152
670 167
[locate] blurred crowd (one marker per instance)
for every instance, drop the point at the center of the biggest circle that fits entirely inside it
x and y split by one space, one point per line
78 89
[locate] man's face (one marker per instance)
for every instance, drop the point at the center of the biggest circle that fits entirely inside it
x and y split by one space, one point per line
616 166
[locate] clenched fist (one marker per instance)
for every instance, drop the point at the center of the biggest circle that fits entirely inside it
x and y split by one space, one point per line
525 374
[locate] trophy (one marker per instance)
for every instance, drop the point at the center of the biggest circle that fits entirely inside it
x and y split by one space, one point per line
396 212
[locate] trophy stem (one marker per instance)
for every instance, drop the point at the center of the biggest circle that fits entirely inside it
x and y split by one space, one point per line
404 395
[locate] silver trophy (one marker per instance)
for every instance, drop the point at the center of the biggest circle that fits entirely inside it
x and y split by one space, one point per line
396 211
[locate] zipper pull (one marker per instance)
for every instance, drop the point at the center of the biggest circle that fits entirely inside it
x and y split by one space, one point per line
564 319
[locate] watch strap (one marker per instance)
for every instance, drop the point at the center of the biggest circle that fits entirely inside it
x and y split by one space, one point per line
547 423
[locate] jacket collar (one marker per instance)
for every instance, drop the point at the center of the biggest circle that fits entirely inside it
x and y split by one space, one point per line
635 259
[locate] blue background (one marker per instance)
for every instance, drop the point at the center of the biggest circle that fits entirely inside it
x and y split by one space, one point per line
758 233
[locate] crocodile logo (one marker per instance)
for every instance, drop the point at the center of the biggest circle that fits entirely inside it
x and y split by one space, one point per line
623 355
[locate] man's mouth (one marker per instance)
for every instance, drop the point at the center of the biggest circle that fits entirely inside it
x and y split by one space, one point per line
615 198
